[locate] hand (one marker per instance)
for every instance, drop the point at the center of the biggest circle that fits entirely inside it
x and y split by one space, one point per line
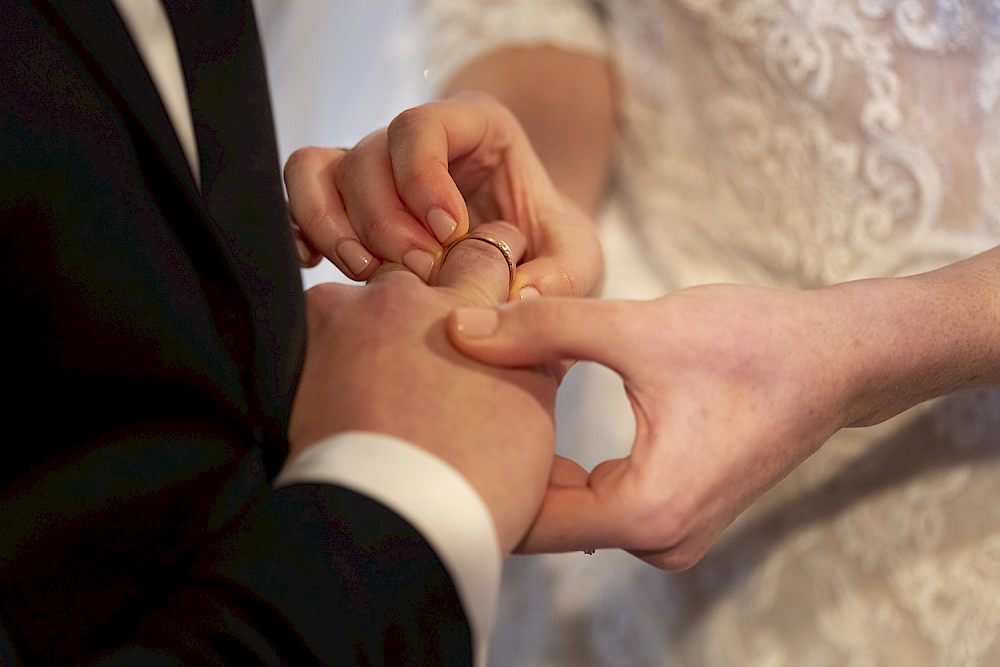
732 387
436 172
378 360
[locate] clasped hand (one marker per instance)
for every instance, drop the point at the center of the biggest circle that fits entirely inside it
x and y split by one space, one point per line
378 358
732 386
716 375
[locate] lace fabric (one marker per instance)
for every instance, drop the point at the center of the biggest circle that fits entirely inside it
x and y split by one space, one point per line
794 143
459 34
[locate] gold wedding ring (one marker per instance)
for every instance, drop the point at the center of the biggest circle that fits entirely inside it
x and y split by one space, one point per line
499 244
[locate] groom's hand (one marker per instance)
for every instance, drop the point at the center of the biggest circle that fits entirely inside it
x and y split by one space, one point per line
378 360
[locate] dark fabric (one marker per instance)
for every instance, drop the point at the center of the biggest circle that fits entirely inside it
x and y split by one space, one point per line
153 336
222 64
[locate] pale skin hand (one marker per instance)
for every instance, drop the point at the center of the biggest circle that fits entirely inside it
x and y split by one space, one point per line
378 360
729 437
439 170
734 386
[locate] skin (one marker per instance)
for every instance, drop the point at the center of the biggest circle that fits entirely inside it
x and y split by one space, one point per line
466 160
568 111
394 328
468 157
733 386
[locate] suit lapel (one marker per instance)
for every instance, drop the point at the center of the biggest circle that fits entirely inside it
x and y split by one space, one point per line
99 33
241 207
230 106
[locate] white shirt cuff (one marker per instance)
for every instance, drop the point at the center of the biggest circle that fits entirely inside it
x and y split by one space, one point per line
434 497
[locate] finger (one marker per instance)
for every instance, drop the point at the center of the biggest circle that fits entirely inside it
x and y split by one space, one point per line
377 215
435 146
568 261
566 472
556 530
536 331
580 516
318 213
478 267
309 256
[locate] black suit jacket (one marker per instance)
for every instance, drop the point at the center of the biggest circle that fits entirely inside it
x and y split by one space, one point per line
153 335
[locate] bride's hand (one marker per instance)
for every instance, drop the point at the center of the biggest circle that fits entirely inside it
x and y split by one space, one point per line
405 192
732 387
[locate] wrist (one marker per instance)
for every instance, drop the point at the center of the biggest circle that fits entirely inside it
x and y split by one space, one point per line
915 338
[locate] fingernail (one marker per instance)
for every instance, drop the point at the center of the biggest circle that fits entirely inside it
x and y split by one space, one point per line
529 293
476 322
354 256
420 262
442 224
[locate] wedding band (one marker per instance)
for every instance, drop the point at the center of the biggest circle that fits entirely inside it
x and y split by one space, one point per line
499 244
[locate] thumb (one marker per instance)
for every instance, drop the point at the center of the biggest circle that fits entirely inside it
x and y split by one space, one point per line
566 261
565 257
536 331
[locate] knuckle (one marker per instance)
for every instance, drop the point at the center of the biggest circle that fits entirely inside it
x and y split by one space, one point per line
568 283
409 120
300 158
375 225
416 180
484 101
313 219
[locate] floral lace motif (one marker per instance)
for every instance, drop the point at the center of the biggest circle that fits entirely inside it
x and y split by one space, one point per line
794 143
836 140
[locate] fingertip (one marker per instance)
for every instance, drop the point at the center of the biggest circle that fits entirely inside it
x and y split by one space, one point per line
421 262
308 255
550 278
442 224
529 293
355 258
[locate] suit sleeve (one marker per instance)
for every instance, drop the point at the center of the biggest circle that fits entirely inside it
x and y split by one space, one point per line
310 574
429 494
139 521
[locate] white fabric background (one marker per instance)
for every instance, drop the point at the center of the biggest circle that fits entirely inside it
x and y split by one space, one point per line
339 70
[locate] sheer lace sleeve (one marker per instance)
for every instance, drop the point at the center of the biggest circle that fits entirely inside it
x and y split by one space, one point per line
461 30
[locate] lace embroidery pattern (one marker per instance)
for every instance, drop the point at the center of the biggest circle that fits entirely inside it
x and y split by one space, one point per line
794 143
814 141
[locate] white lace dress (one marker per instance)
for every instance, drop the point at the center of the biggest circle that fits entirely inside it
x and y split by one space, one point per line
793 143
